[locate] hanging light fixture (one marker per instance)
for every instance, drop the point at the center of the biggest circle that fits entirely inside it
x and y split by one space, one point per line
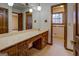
10 4
30 10
39 7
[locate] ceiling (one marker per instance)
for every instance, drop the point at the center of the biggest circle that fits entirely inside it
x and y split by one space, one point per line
20 6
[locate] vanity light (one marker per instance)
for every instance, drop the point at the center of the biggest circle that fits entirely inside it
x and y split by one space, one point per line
10 4
30 10
39 8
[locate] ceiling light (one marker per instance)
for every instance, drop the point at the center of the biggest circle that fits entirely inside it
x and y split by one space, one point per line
39 8
10 4
30 10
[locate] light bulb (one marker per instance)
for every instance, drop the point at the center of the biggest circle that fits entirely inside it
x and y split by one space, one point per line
39 8
10 4
30 10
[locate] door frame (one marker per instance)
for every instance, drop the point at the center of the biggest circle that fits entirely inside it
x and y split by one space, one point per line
27 14
18 20
76 35
65 25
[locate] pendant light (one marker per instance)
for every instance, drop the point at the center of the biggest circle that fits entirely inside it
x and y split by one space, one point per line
39 7
10 4
30 10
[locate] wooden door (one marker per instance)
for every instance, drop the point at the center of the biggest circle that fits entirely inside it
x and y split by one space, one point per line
28 21
76 40
3 20
20 21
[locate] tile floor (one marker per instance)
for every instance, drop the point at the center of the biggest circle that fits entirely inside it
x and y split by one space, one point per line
57 49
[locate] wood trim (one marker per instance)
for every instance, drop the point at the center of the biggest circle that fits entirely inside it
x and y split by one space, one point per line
51 21
74 27
65 24
58 23
76 5
58 5
7 19
51 29
57 12
58 26
28 14
76 35
76 20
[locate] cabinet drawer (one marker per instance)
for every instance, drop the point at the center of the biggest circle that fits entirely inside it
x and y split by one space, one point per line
12 51
45 34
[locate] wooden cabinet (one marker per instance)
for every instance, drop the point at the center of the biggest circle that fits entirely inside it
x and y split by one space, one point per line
3 20
12 51
17 50
22 48
42 41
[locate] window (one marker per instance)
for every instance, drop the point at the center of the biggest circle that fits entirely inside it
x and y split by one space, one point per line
57 18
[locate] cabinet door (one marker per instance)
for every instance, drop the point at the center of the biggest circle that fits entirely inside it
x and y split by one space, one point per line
3 20
20 22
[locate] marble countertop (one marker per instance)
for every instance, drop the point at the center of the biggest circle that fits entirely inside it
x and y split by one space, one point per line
10 39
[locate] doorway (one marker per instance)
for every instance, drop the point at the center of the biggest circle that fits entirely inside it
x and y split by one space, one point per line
59 24
76 31
28 20
15 22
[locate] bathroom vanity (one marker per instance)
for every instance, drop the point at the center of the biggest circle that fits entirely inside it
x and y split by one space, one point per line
19 43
